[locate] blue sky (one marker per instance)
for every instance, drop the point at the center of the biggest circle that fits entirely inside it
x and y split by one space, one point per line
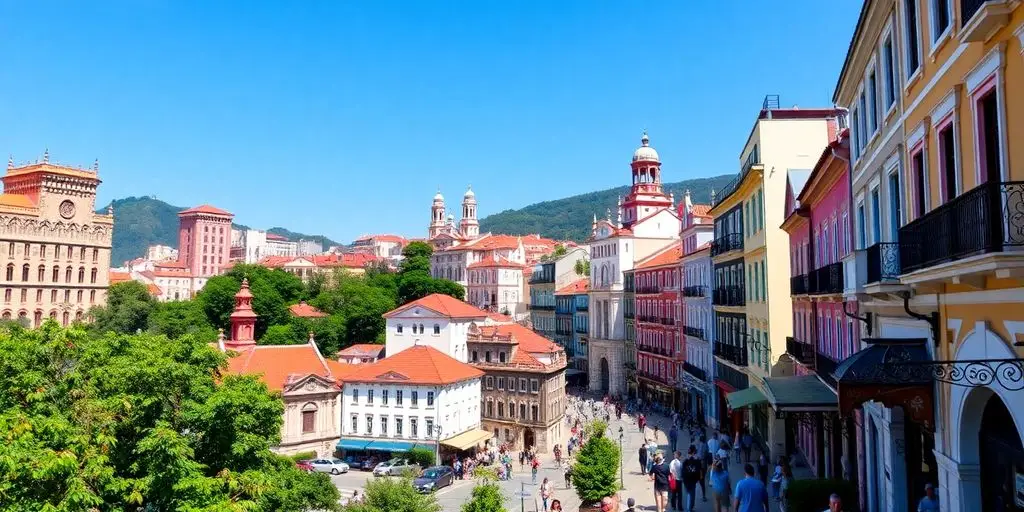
343 117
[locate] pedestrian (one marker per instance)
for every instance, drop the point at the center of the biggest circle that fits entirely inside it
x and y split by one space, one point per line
691 475
930 502
748 444
673 436
630 505
545 492
659 475
652 448
737 446
721 486
522 459
775 488
567 470
643 458
705 462
762 468
835 503
457 467
534 467
641 421
556 506
675 484
750 494
713 443
785 479
723 453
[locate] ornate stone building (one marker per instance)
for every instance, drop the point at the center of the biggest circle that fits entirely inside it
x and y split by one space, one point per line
57 249
523 392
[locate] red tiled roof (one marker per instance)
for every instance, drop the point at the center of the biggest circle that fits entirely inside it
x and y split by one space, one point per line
169 264
495 263
154 290
529 341
119 277
277 261
362 350
700 210
276 237
498 317
17 200
575 288
415 365
443 304
524 358
205 208
668 255
278 363
303 310
171 273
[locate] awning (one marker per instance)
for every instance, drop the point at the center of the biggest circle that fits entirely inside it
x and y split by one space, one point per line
800 393
467 439
569 372
745 398
352 444
390 446
893 372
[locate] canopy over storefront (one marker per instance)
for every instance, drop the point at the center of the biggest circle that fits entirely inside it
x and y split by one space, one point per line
799 393
894 372
353 444
467 439
745 398
390 446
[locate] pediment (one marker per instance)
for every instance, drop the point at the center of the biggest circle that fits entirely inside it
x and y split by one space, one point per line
392 375
309 383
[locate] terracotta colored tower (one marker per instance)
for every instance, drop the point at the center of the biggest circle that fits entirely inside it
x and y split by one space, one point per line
646 195
243 319
469 226
204 239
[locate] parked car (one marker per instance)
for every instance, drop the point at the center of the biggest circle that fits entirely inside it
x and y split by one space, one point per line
304 465
434 478
332 466
368 463
395 467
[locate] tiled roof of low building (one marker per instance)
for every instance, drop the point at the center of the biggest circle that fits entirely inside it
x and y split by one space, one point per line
420 365
442 304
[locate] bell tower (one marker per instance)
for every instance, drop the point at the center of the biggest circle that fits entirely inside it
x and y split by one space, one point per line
469 226
243 319
646 195
437 219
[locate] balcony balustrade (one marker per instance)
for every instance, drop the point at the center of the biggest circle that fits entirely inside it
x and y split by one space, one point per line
824 366
648 289
542 307
985 219
657 378
668 321
802 352
654 349
798 285
728 296
699 373
982 18
726 243
827 279
735 354
694 332
731 376
883 262
695 291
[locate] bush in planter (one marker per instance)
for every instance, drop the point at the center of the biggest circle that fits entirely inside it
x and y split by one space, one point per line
303 456
813 495
424 457
596 471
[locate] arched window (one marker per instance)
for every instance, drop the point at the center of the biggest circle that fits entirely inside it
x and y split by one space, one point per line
23 318
37 319
421 329
92 276
42 273
522 411
78 316
24 273
56 273
10 270
7 315
67 275
95 255
81 274
53 314
437 329
67 317
511 409
309 417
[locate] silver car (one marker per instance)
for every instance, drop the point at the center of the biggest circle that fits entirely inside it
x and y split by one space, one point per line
395 467
332 466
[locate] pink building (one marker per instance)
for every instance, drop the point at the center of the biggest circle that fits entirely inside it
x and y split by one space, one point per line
204 239
824 327
660 347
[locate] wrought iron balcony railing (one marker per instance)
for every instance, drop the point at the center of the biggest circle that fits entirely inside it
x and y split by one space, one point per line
883 262
985 219
726 243
699 373
694 332
731 376
828 279
728 296
542 307
735 354
668 321
798 285
824 366
802 352
648 289
695 291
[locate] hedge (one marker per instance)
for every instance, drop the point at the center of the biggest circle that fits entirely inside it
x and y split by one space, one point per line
303 456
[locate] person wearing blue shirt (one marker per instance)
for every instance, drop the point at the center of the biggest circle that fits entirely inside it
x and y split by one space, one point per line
930 502
721 486
751 494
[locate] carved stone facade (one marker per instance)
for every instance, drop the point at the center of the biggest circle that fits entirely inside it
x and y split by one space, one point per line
56 249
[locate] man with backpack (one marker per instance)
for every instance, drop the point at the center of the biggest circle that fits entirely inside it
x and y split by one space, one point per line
692 472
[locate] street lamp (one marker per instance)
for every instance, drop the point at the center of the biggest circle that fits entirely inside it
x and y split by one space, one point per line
621 485
437 445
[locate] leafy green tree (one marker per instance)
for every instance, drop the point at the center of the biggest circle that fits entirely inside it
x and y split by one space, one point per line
486 497
582 267
180 317
394 495
128 307
272 291
140 422
281 335
417 250
422 456
449 288
595 473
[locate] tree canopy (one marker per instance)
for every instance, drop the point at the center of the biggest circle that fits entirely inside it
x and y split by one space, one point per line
595 473
486 497
394 495
116 422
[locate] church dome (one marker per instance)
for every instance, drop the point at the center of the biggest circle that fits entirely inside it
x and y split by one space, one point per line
469 193
438 198
645 153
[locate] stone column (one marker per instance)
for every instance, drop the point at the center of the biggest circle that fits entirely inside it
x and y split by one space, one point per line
959 484
895 466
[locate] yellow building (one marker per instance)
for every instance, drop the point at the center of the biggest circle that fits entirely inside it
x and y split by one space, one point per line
750 254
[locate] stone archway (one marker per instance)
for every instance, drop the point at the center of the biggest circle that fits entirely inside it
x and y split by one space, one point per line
968 406
606 376
529 439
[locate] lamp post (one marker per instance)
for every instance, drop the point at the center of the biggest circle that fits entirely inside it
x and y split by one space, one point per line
437 445
621 485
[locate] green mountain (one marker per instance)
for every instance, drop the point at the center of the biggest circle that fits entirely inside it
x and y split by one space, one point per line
570 218
143 221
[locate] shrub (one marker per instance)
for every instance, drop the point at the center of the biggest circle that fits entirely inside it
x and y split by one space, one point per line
419 455
303 456
813 495
596 428
595 473
486 497
394 495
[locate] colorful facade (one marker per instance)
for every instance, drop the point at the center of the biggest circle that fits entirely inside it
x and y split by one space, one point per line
660 347
697 316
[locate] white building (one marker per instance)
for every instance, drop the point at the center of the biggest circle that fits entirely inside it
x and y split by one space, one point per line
387 247
645 221
696 232
161 252
252 245
310 247
496 285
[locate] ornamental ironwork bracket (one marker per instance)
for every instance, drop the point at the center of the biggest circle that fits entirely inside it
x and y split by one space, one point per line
1006 373
932 318
866 319
761 348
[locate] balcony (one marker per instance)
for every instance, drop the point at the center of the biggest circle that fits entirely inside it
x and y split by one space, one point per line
728 296
983 18
983 220
541 307
699 373
582 307
883 262
648 289
694 332
582 329
731 376
827 280
653 349
695 291
735 355
726 243
668 321
629 314
824 366
800 351
657 378
798 285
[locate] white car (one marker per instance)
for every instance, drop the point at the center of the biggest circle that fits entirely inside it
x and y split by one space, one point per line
394 467
332 466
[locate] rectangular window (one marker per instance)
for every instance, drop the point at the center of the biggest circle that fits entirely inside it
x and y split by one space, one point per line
355 395
876 215
522 385
534 386
398 427
872 97
947 161
308 421
489 382
430 398
855 130
860 226
415 398
369 396
989 139
865 114
894 205
413 427
369 424
383 425
355 424
398 397
501 383
384 397
940 18
912 45
889 86
920 183
428 424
